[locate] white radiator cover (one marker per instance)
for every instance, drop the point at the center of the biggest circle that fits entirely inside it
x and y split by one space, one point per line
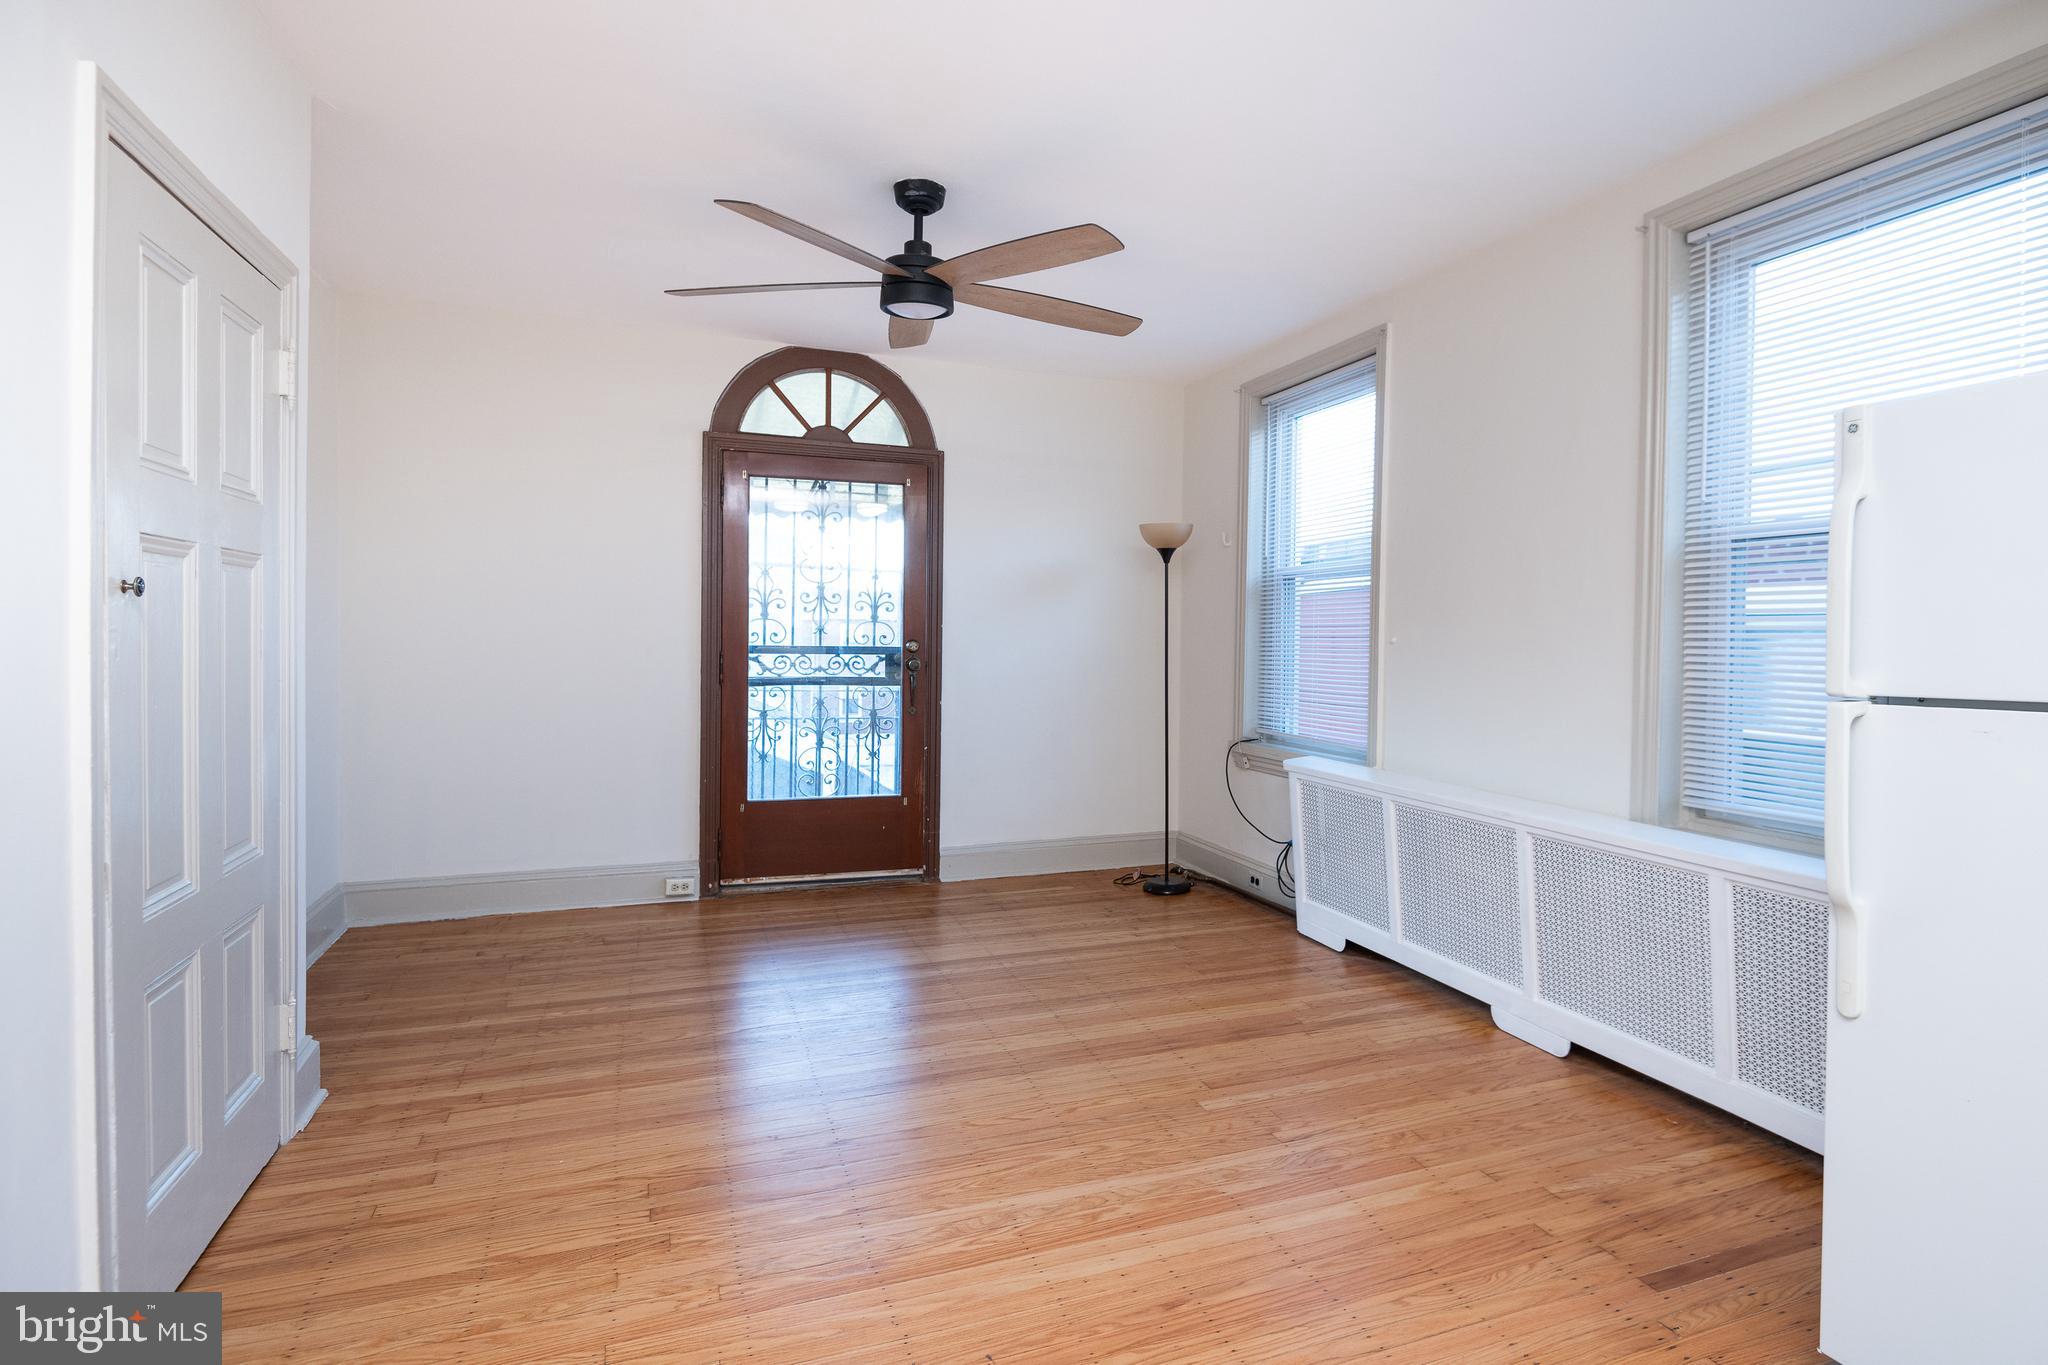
1699 961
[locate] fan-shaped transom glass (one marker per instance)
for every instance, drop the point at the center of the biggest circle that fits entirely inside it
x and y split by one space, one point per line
825 403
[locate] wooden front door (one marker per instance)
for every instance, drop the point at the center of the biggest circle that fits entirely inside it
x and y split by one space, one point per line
826 681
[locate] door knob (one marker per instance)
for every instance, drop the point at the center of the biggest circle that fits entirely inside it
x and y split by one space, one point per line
134 585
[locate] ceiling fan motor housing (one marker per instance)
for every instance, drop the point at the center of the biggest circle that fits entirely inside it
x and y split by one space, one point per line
915 294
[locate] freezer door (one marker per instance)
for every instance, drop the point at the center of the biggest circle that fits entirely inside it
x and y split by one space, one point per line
1937 566
1935 1201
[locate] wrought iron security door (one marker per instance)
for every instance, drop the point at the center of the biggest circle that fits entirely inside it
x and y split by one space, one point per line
824 601
826 663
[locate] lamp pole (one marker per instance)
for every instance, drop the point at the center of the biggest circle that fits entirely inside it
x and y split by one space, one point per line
1166 537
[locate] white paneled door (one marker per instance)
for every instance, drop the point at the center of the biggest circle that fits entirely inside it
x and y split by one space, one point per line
191 427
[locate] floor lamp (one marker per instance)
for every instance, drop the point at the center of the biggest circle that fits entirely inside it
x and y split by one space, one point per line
1166 537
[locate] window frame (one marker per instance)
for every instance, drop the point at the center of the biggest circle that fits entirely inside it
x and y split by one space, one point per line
1258 753
730 411
1659 670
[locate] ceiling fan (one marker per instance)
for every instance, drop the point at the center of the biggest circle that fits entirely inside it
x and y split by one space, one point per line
918 288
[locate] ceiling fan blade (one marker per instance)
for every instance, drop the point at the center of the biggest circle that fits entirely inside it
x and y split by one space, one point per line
1040 252
803 232
909 332
769 288
1045 308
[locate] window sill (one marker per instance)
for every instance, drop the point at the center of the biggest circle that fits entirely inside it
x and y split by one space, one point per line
1764 836
1257 756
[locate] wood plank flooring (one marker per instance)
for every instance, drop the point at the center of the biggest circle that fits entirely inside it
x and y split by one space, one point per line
1042 1119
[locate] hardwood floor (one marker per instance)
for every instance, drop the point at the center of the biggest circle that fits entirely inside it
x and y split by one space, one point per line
1042 1119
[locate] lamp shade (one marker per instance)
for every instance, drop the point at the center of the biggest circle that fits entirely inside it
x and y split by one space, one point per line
1166 535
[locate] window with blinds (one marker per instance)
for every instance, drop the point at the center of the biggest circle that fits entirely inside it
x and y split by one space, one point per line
1926 270
1311 589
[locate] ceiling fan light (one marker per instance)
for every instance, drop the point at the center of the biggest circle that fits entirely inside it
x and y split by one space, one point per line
916 296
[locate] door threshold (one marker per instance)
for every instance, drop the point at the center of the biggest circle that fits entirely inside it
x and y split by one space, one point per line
809 879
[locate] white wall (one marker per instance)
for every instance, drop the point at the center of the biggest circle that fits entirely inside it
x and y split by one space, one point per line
322 714
518 530
1509 503
203 71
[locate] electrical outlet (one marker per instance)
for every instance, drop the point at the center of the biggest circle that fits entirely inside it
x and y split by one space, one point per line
679 886
1255 879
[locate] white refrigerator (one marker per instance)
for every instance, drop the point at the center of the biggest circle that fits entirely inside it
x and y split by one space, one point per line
1935 1223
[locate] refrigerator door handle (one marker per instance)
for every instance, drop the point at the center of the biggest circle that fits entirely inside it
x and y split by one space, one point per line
1848 911
1852 486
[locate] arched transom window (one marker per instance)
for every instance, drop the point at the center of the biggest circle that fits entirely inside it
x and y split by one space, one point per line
824 402
810 395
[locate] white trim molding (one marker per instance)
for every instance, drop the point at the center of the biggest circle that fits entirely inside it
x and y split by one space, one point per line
326 922
1036 857
1240 874
416 900
413 900
1658 680
306 1067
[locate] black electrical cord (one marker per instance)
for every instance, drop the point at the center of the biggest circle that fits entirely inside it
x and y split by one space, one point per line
1283 861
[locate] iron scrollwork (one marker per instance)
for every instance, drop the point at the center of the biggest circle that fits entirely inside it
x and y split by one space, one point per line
824 652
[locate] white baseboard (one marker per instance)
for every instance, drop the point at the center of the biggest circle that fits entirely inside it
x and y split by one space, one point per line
325 922
1213 860
412 900
1034 857
307 1084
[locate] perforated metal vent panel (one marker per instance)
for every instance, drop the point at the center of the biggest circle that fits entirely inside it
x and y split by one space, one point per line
1626 941
1344 852
1781 994
1458 890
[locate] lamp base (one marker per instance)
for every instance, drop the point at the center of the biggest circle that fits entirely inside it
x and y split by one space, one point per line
1166 884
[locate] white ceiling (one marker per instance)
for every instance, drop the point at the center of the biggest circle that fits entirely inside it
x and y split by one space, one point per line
1266 162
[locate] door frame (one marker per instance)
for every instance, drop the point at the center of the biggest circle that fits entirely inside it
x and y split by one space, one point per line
119 128
717 445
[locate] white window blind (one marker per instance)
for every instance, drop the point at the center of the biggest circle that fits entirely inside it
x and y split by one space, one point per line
1923 271
1312 585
